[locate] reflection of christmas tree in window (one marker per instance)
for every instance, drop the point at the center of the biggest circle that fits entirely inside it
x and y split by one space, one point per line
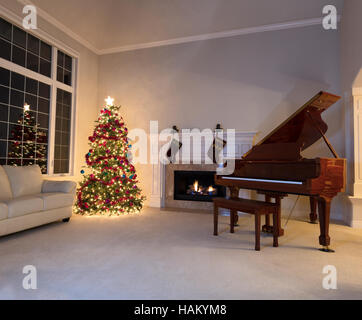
29 143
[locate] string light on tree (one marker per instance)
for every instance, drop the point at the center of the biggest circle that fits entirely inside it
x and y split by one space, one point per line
111 186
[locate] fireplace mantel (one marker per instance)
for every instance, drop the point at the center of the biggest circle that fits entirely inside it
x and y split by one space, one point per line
244 141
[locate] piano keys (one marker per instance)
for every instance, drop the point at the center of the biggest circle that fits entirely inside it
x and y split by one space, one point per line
275 165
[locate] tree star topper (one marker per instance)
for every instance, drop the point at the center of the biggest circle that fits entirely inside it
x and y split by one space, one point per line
109 101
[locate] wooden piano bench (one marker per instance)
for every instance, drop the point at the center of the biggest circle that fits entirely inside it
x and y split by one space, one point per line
254 207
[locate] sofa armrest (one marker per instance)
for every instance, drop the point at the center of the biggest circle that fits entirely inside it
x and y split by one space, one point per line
50 186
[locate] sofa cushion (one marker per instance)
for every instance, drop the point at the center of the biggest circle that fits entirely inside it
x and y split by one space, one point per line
24 205
57 200
50 186
3 211
24 181
5 193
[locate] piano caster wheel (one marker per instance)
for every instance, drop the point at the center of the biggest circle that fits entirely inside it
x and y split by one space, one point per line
236 225
326 249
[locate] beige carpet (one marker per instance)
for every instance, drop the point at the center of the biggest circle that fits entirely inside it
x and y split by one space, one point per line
173 255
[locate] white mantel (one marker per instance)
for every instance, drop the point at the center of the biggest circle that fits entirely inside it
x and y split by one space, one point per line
354 153
243 142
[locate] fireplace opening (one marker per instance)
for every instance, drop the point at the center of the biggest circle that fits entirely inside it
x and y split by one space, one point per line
196 186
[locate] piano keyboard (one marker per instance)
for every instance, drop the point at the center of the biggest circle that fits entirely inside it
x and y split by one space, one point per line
264 180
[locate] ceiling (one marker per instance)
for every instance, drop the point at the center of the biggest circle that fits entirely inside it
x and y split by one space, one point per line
108 24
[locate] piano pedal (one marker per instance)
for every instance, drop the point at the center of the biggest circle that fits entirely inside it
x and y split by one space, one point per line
326 249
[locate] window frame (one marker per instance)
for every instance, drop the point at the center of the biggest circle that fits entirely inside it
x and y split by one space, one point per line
54 84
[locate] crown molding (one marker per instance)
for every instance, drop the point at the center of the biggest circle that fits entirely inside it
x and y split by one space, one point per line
202 37
47 17
218 35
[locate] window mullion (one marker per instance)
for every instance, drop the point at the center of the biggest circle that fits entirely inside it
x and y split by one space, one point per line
52 115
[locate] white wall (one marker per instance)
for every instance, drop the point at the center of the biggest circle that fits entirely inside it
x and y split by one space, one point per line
351 72
250 82
87 106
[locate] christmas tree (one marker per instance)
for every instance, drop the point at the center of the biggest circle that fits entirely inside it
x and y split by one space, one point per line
111 185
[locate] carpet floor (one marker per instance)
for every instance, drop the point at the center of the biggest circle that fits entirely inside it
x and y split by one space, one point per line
173 255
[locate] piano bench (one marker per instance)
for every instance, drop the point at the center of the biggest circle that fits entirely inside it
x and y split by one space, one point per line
254 207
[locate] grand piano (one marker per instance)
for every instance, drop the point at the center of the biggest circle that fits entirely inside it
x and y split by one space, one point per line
274 167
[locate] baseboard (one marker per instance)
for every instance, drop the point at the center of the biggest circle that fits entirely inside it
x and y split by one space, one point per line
154 202
357 224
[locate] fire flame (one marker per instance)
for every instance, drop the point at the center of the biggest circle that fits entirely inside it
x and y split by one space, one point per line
196 186
211 189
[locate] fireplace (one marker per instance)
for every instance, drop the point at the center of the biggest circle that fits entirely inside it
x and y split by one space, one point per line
196 186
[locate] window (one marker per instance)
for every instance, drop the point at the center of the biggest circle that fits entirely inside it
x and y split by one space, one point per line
36 102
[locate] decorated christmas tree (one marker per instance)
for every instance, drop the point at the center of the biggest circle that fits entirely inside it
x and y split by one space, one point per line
111 185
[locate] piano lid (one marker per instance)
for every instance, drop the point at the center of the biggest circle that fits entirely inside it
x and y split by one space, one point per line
295 134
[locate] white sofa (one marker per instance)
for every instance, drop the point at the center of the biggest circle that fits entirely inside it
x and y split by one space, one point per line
27 201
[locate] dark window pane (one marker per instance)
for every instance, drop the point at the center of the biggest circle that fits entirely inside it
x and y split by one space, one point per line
44 90
28 150
42 136
60 59
17 81
60 74
45 68
5 29
58 123
32 101
33 44
65 139
45 51
43 105
4 95
58 137
4 112
67 78
66 112
65 166
3 146
43 120
57 166
32 62
64 152
15 132
59 112
57 152
4 77
67 98
17 98
18 56
19 37
3 130
68 63
65 125
31 86
60 96
16 115
5 49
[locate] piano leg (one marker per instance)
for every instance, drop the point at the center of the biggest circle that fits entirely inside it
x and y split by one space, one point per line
267 228
313 210
324 208
216 218
234 194
233 213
